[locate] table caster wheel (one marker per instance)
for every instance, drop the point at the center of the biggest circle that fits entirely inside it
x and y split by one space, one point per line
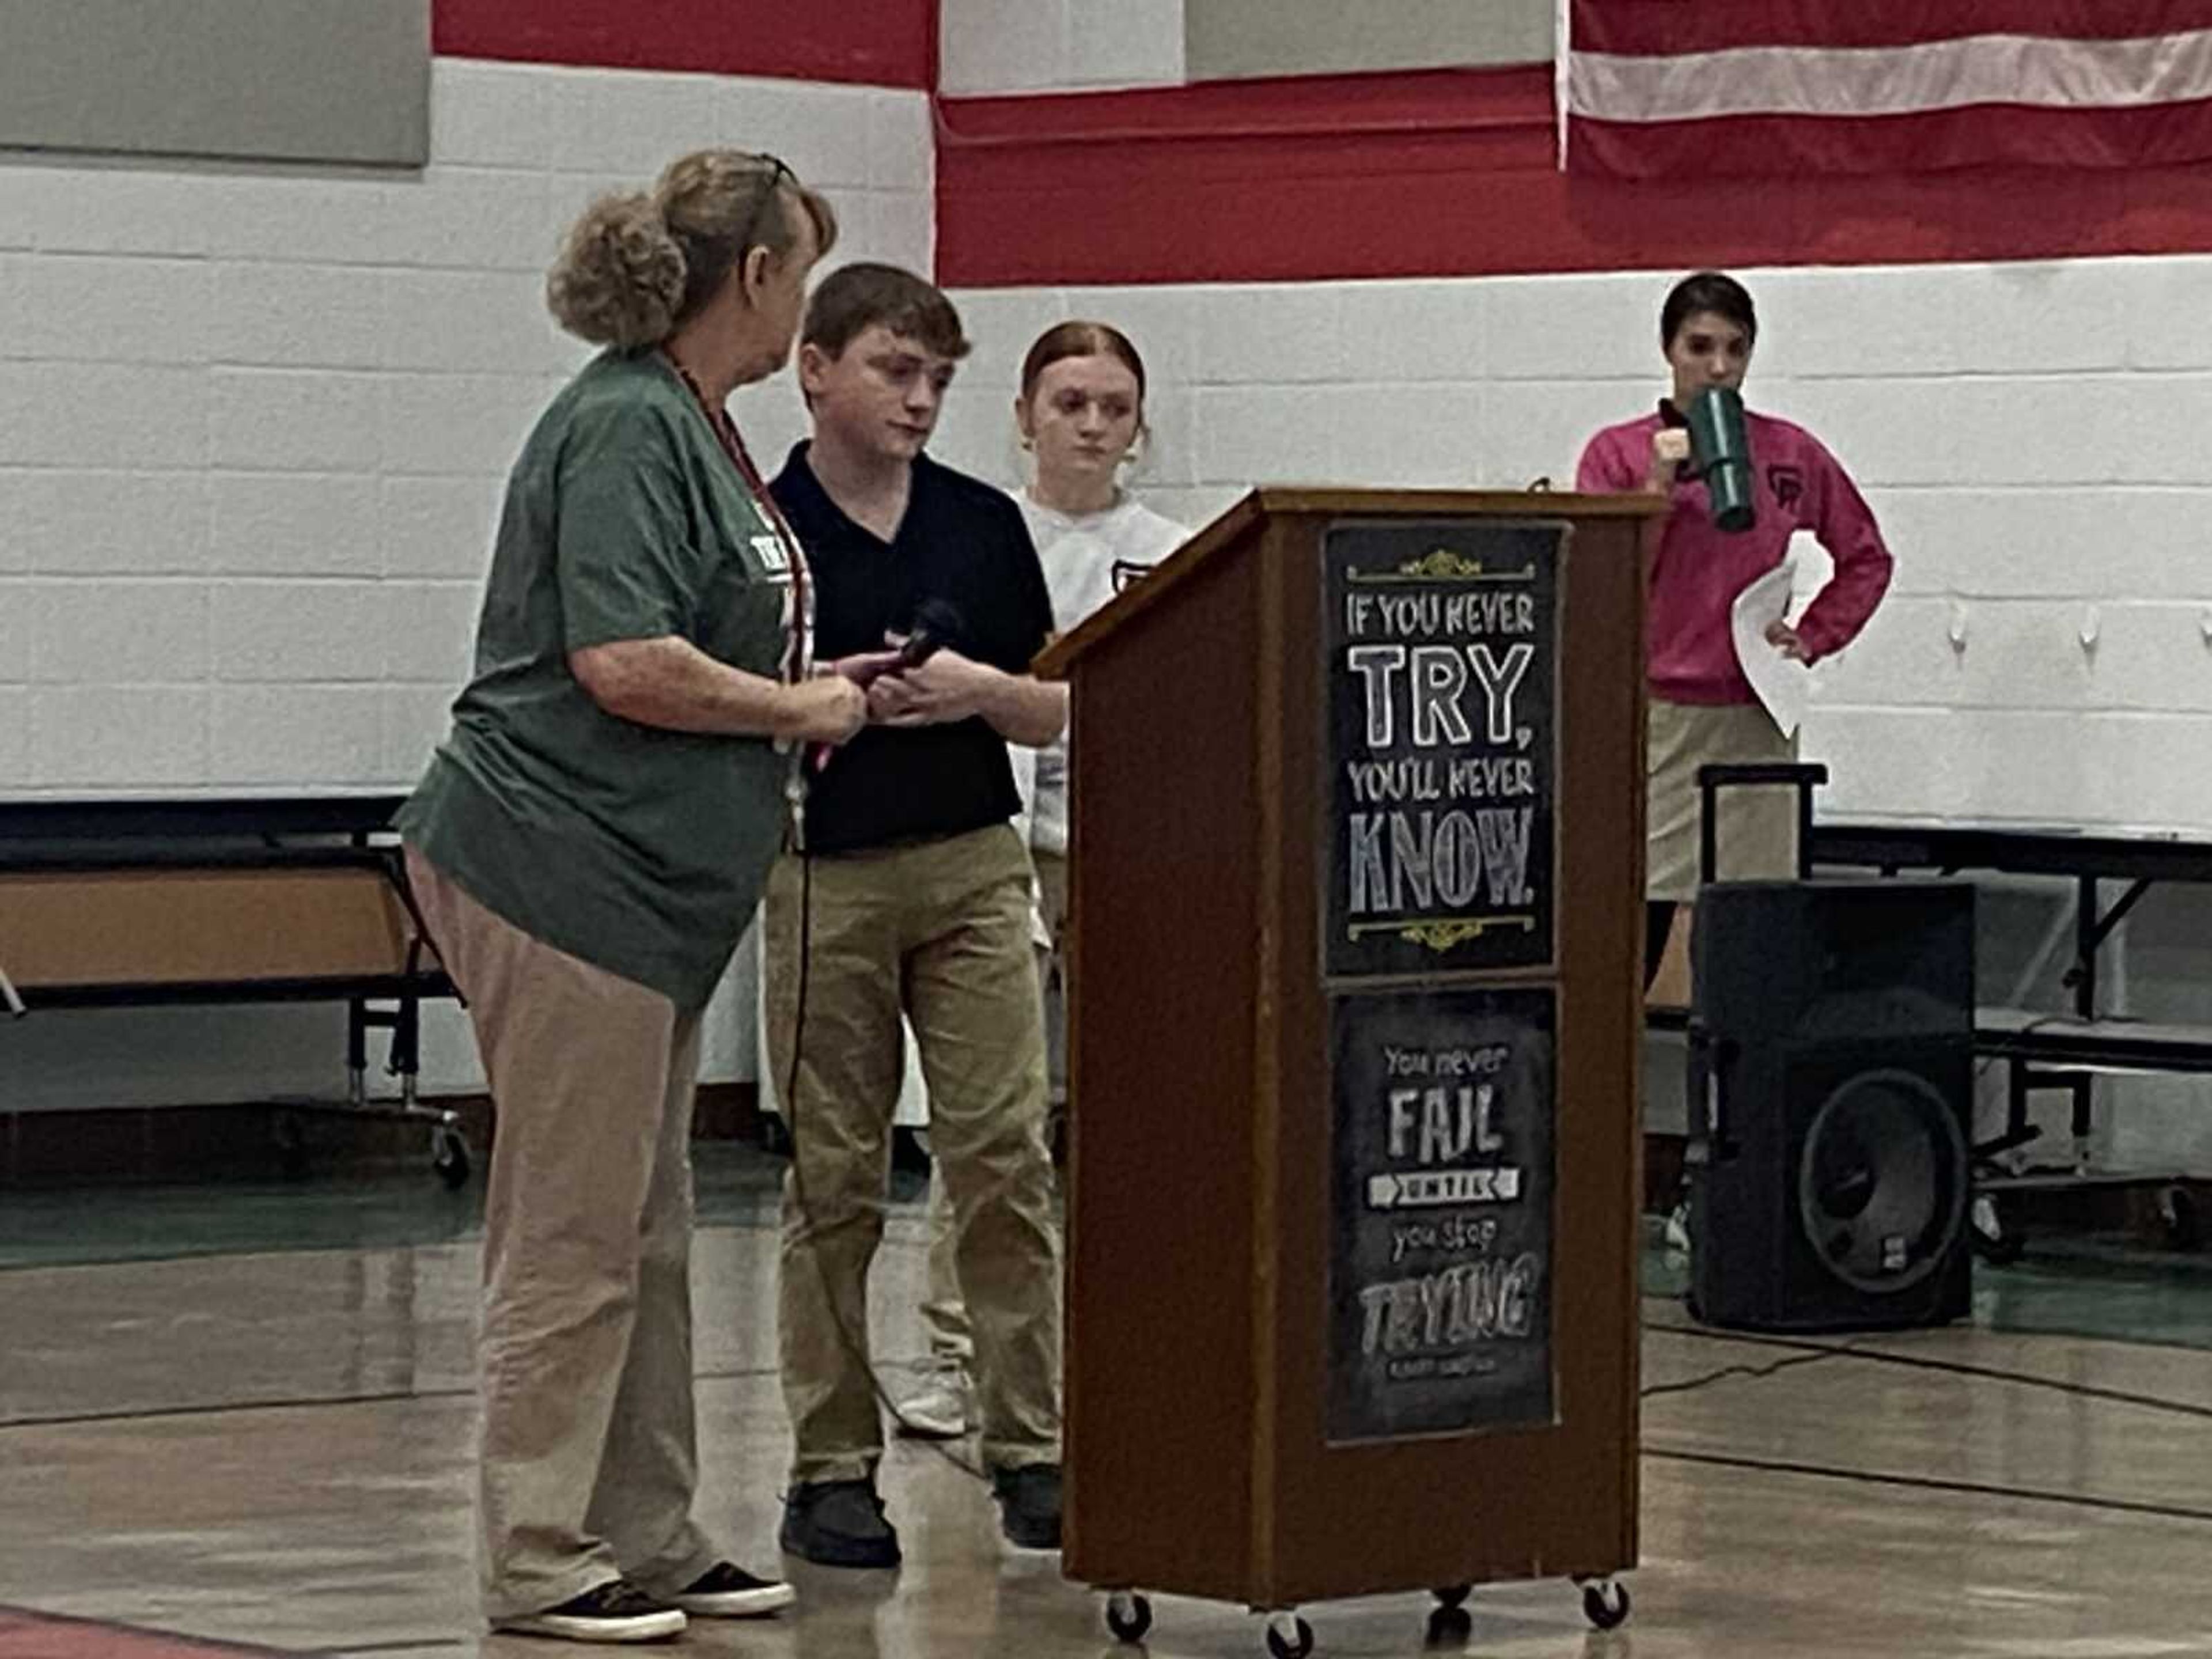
1289 1636
1605 1603
449 1157
1453 1595
289 1137
1991 1235
2178 1222
1128 1615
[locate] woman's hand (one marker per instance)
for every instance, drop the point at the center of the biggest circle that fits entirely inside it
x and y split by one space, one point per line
863 668
828 708
1785 638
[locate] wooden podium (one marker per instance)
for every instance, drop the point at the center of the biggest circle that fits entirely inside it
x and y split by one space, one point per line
1355 1013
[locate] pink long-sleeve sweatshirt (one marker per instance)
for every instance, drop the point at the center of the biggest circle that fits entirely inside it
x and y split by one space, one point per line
1698 570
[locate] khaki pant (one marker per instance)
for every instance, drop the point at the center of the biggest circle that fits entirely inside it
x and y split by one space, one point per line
943 1316
588 1466
941 930
943 1321
1758 827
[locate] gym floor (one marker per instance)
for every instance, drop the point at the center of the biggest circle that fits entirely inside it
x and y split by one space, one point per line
242 1414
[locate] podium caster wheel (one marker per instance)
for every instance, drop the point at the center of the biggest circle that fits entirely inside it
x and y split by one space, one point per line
1289 1636
1605 1603
1450 1626
1452 1596
1128 1615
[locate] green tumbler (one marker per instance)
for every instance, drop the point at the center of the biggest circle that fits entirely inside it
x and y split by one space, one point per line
1720 454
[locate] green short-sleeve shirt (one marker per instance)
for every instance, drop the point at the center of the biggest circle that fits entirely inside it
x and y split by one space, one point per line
640 850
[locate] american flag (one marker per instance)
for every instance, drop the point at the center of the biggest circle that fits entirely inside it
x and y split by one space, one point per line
1684 88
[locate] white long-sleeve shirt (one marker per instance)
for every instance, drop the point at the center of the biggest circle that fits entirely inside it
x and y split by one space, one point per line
1080 553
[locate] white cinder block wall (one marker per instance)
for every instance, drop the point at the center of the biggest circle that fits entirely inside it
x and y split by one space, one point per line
253 429
2031 436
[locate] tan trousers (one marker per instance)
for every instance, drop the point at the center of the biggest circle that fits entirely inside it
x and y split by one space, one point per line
941 930
943 1316
1757 829
588 1466
943 1321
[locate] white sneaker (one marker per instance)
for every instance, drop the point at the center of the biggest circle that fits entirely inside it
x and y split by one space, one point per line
1677 1229
944 1409
617 1611
726 1591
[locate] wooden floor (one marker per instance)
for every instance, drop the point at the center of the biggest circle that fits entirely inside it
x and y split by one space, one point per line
273 1449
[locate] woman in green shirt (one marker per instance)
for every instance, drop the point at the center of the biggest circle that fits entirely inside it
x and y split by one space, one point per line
587 846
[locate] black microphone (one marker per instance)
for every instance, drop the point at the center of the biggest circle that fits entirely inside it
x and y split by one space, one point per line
937 623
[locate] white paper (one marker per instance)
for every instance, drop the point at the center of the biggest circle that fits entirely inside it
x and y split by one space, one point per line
1782 685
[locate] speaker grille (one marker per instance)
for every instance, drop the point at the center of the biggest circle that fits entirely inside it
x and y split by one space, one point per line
1882 1182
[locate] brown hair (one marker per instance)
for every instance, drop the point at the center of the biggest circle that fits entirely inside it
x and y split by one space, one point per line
636 267
1081 339
854 298
1707 290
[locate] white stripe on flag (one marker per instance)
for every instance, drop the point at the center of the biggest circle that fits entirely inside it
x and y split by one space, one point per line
1982 69
1562 93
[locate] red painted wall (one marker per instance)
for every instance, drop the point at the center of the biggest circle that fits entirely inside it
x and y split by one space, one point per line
1452 174
891 43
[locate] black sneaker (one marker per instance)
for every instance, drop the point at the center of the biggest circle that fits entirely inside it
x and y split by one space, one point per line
838 1523
726 1591
1028 1505
617 1611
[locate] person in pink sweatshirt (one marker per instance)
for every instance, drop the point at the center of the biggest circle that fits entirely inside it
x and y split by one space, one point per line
1702 708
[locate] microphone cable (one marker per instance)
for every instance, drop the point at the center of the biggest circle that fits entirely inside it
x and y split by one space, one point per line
853 1344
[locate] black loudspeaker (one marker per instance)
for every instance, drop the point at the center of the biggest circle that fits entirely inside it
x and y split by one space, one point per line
1832 1082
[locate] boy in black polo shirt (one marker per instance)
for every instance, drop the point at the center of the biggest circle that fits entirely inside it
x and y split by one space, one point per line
915 892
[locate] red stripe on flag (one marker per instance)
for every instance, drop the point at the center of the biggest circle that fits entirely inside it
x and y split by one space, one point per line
1657 28
1983 136
1310 181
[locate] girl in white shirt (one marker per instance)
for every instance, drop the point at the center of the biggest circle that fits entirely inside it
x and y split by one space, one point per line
1082 415
1081 412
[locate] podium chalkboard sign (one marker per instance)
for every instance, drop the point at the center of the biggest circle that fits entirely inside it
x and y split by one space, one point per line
1356 892
1440 1206
1443 655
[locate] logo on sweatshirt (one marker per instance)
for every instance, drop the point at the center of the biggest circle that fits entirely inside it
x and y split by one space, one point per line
1787 482
1127 572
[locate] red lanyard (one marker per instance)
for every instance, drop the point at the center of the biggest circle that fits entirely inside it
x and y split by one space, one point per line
798 651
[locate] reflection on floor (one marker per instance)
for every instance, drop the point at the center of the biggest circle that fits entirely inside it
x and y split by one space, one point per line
245 1413
27 1635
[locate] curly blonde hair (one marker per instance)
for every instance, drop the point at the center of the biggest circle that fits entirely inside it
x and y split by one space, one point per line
638 265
